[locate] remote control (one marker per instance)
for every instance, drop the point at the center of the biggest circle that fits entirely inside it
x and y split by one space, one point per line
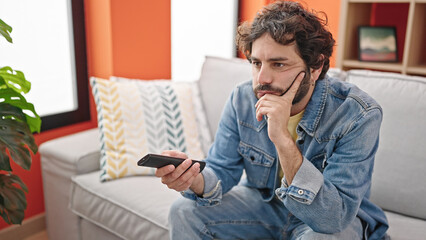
158 161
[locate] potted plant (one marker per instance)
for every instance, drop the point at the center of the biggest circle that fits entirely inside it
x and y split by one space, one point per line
18 120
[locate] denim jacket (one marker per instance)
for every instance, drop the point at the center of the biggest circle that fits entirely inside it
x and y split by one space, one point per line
338 137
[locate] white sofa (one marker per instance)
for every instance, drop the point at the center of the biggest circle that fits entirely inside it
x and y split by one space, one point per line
79 206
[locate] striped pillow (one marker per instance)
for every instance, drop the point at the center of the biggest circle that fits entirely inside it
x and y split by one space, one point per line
140 117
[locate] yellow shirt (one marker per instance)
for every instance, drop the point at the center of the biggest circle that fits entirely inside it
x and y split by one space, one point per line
292 125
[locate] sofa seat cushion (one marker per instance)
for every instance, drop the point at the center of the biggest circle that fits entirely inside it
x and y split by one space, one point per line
132 208
406 228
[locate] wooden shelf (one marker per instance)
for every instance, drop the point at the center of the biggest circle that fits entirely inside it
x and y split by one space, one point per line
386 1
355 13
417 70
379 1
393 67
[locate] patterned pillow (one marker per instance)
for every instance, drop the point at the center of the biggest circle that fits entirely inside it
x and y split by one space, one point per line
140 117
200 114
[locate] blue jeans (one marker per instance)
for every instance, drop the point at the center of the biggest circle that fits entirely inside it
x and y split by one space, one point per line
244 215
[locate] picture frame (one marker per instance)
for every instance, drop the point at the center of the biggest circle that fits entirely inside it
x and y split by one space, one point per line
377 44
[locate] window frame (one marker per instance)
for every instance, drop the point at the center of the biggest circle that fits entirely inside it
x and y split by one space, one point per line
82 113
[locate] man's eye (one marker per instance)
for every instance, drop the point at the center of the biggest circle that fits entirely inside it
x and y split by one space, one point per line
279 65
257 64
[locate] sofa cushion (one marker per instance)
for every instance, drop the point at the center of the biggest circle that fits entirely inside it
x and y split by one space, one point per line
405 228
399 172
205 138
218 78
140 117
134 207
337 73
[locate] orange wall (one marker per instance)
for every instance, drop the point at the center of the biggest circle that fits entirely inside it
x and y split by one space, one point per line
98 35
248 9
141 38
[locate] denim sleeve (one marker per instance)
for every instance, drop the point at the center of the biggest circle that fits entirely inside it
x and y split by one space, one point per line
224 163
212 190
329 203
305 186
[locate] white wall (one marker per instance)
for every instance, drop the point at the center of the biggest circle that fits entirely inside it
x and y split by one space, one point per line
200 28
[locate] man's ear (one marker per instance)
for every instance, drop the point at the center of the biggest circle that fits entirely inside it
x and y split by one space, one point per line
315 73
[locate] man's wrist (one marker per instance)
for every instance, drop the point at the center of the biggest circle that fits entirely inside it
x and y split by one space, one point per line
198 185
290 158
284 142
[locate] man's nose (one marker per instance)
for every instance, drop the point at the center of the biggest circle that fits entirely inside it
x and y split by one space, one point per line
264 76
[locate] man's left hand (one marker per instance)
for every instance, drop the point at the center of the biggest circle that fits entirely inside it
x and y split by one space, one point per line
277 109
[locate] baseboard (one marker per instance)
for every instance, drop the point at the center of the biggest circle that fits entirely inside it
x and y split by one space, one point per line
29 227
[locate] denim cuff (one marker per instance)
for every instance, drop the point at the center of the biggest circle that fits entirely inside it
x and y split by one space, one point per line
212 190
305 186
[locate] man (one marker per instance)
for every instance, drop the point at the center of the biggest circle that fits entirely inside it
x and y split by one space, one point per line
306 142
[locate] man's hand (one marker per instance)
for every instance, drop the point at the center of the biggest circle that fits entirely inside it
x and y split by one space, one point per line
183 176
277 109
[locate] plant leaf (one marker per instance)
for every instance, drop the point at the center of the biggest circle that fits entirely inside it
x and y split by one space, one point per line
5 30
15 135
15 79
8 95
12 198
4 159
14 217
14 179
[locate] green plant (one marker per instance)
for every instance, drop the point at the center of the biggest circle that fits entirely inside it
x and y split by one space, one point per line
18 120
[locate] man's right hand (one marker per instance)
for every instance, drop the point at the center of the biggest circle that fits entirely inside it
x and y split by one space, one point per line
181 178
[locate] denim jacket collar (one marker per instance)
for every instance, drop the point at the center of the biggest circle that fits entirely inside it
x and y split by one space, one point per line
313 111
315 107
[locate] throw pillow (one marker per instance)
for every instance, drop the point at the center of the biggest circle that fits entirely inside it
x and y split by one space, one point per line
140 117
200 113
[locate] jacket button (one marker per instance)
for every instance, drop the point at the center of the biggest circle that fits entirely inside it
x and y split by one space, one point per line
300 192
252 158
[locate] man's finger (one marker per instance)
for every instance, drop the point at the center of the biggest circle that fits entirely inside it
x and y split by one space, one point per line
293 89
169 173
173 153
187 178
181 169
160 172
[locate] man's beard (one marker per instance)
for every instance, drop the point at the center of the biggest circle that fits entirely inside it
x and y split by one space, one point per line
300 94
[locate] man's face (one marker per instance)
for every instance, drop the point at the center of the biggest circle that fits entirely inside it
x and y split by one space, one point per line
275 67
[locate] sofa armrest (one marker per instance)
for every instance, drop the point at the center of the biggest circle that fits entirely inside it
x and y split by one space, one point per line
72 155
61 159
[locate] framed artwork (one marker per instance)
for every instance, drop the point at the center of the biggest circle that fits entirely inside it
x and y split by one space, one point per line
377 44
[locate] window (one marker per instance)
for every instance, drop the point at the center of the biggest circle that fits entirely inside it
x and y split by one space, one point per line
50 48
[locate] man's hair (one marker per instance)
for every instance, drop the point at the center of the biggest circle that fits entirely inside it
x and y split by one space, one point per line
287 22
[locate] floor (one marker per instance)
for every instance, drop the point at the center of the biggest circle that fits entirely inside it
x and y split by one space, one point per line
38 236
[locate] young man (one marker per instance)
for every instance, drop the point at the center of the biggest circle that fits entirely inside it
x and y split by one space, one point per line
306 142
